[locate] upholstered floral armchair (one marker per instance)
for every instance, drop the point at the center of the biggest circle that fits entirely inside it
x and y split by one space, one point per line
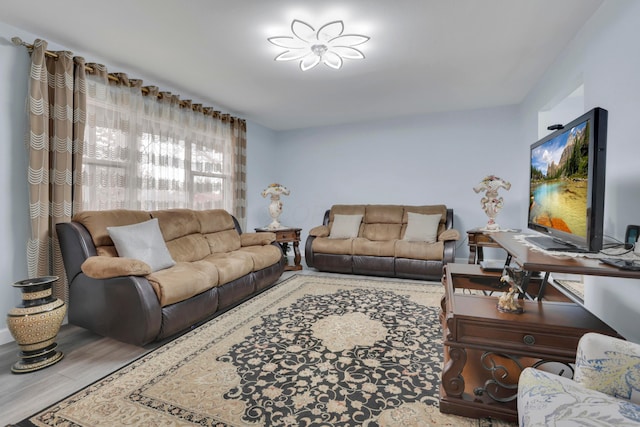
605 390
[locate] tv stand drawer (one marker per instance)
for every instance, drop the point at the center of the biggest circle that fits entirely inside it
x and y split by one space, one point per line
517 337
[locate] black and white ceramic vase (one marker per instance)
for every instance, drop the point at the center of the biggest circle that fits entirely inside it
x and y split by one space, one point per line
35 323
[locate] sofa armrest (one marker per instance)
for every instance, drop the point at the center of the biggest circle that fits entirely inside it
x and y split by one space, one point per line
308 251
449 254
450 234
319 231
76 246
610 365
106 267
125 308
261 238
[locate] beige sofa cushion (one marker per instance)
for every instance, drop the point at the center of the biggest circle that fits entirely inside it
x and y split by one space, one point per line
176 223
425 210
96 222
419 250
231 265
219 229
382 222
381 232
262 256
384 214
223 241
213 220
346 210
181 231
324 245
363 246
192 247
183 280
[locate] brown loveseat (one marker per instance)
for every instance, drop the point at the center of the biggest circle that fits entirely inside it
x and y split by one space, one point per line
381 244
211 266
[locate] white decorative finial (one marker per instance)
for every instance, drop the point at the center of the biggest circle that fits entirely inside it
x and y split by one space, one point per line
17 41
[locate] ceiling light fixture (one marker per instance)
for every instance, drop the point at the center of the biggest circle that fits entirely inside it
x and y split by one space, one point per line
327 45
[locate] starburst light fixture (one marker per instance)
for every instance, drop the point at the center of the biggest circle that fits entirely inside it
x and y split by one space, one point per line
327 45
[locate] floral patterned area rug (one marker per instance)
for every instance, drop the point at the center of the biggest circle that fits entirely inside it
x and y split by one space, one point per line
311 351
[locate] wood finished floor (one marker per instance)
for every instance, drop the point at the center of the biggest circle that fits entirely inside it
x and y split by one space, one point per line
87 358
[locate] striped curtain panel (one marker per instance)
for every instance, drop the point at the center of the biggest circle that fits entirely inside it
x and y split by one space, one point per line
239 141
55 106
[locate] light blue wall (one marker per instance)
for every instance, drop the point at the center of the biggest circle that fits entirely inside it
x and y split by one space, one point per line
262 149
14 216
605 56
434 158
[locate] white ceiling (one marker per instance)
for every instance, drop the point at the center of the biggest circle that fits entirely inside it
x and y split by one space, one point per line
424 56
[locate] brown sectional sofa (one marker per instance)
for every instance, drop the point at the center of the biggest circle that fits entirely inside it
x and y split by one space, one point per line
215 267
379 249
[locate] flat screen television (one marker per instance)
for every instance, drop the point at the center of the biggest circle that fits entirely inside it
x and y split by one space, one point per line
566 183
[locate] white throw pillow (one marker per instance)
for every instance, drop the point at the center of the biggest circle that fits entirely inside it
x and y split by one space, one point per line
345 226
422 228
142 241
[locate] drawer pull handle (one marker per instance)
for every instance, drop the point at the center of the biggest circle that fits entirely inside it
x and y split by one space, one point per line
529 340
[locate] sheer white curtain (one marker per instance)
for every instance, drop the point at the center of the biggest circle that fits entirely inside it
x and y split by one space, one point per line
151 151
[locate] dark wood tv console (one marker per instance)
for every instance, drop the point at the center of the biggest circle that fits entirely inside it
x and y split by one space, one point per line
533 260
485 349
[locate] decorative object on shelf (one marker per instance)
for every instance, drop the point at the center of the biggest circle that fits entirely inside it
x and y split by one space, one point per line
275 190
508 302
35 323
327 45
491 203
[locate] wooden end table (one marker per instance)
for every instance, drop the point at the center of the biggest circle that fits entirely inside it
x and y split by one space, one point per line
284 236
485 350
479 239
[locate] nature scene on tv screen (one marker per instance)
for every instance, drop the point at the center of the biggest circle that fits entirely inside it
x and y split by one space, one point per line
559 182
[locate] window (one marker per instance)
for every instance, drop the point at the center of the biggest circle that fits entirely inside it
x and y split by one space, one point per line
146 153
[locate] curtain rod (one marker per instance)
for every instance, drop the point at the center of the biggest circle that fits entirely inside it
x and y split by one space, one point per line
17 41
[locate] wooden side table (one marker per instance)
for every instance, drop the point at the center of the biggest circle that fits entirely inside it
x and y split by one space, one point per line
485 350
284 236
479 239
